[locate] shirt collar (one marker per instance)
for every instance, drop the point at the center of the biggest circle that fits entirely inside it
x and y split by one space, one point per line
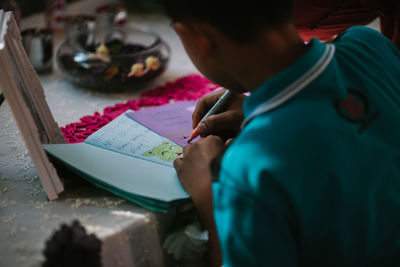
306 68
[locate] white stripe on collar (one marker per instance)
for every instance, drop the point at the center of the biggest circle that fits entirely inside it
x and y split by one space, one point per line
294 87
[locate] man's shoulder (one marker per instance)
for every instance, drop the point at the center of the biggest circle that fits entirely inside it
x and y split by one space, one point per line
362 31
361 34
293 121
366 40
285 133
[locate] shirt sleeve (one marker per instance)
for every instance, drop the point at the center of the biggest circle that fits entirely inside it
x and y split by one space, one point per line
254 231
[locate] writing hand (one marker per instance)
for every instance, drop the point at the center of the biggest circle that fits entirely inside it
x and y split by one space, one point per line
225 124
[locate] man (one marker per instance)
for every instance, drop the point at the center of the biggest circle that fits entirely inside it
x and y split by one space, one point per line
313 178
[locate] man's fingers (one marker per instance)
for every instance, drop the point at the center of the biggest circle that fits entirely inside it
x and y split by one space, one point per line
204 105
198 112
229 141
225 121
178 163
214 140
187 148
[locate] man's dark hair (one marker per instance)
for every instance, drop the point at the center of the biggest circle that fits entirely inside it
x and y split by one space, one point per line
241 20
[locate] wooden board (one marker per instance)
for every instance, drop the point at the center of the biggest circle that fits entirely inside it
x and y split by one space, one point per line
25 96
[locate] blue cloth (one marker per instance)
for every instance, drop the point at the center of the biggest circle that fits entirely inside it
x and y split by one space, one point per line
316 181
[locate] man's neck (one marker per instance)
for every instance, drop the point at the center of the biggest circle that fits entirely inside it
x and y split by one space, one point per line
269 55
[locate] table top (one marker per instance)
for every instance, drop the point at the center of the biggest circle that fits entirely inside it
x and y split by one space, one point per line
28 219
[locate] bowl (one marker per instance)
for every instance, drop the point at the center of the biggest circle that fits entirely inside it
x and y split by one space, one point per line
113 58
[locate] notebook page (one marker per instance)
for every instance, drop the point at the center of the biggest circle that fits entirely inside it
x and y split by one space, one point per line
126 136
173 121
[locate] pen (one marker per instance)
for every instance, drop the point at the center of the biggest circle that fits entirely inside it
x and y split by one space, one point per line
214 110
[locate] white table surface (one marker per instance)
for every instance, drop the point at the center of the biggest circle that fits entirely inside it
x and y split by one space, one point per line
131 235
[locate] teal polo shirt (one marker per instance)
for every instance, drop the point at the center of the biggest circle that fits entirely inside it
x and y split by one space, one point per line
313 179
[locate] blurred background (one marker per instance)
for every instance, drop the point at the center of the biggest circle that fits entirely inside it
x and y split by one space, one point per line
31 7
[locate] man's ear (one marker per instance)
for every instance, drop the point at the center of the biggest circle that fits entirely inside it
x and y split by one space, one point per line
195 35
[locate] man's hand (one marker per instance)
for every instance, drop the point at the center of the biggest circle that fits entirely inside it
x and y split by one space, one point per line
193 169
195 176
225 124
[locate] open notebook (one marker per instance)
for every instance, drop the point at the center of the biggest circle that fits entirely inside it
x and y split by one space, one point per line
133 155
